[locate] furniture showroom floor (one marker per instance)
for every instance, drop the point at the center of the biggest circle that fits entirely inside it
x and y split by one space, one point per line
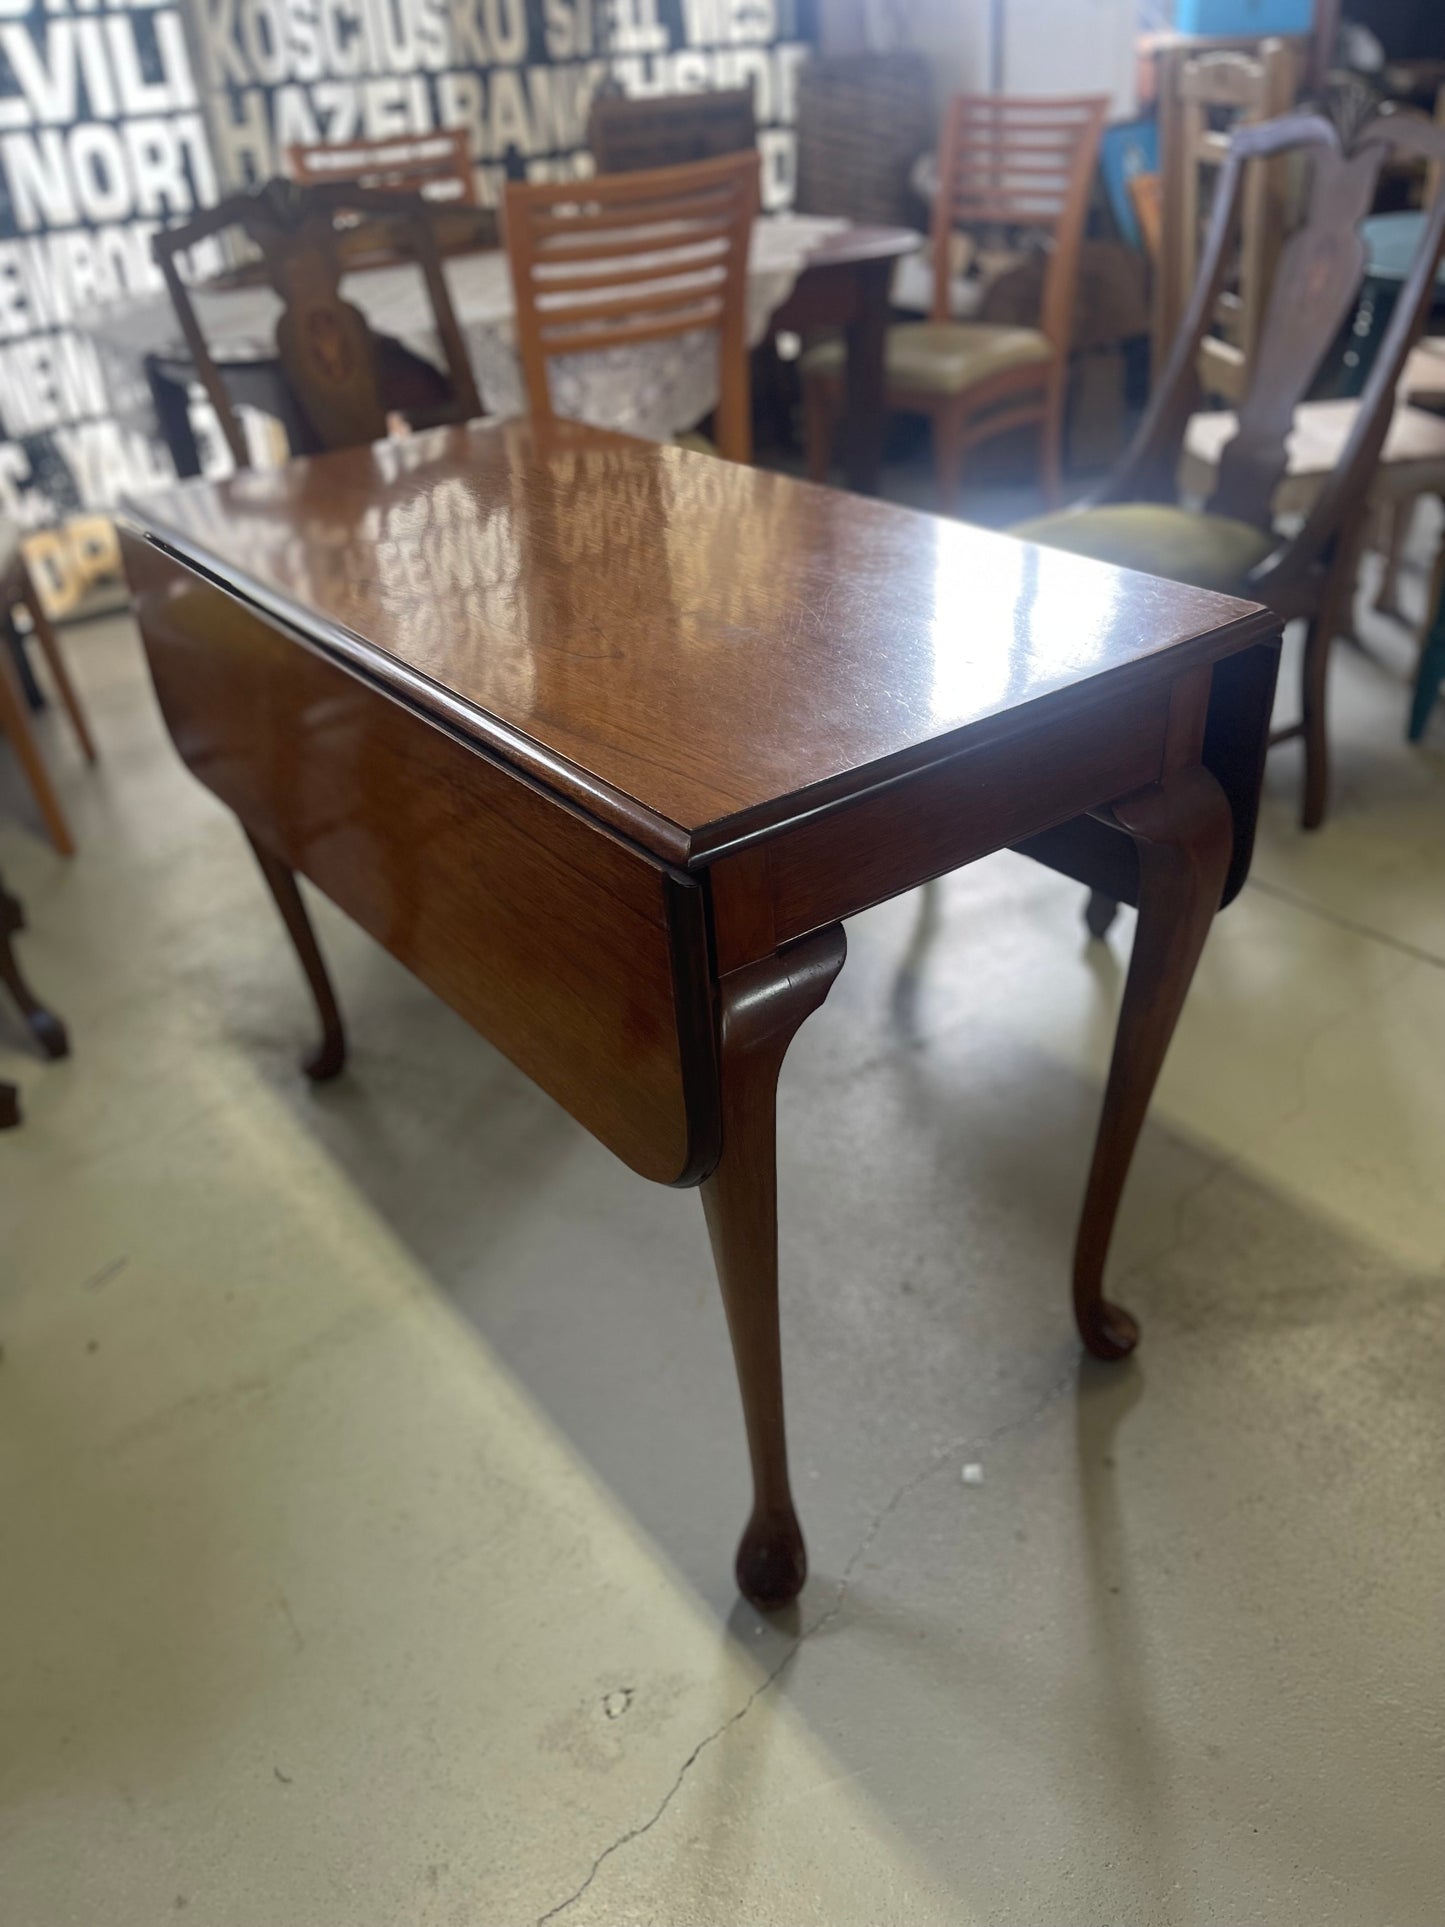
370 1457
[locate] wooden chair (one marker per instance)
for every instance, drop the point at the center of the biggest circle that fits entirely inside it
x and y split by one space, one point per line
669 130
436 165
44 1026
631 258
1239 89
16 588
1134 519
1011 163
343 379
1163 60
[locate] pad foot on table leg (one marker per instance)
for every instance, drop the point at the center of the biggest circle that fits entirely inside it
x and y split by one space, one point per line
772 1561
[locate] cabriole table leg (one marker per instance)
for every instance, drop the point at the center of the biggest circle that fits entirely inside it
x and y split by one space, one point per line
762 1007
1184 833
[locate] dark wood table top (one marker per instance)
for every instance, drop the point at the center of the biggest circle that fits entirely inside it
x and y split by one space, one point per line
696 653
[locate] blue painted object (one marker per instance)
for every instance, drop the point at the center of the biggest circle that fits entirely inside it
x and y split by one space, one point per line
1237 18
1126 149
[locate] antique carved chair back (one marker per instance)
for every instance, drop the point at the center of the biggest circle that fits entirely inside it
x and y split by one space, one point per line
437 165
1019 164
1316 284
1310 573
341 375
628 259
669 130
1235 88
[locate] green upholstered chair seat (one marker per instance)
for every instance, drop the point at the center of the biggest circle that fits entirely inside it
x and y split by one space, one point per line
941 357
1208 551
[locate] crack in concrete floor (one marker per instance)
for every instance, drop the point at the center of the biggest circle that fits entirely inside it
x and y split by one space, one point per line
944 1457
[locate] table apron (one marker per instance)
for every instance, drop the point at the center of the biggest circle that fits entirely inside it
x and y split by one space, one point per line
579 956
930 821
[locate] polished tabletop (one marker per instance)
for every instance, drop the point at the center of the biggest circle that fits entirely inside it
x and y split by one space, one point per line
693 651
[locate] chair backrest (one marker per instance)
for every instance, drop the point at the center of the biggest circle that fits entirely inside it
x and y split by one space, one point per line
1435 172
437 165
1219 92
632 258
863 121
669 130
1316 286
1023 164
306 236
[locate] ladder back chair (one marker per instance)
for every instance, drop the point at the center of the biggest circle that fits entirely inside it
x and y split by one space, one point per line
1134 519
1023 166
1242 89
342 378
628 259
669 130
437 165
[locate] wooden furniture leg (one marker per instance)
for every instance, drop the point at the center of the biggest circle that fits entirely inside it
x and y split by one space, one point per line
329 1057
1184 832
866 377
50 647
1099 913
950 450
1393 519
16 724
1430 674
1051 449
44 1026
819 421
762 1007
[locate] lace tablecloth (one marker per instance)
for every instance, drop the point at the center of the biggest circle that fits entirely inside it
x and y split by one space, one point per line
654 389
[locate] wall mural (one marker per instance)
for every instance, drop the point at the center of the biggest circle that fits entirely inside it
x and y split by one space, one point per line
114 120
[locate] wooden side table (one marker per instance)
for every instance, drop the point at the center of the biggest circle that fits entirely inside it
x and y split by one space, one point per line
605 740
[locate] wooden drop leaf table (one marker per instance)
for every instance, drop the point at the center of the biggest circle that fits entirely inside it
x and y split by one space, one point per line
605 740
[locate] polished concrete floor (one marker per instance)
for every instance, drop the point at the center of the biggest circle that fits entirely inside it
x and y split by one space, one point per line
370 1463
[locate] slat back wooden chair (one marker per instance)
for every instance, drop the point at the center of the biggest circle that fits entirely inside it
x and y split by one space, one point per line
437 165
669 130
1237 89
1012 164
343 378
627 259
1134 519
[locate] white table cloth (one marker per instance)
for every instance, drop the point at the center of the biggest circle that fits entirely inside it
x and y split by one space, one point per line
655 389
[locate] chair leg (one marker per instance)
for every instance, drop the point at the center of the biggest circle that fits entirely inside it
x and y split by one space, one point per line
1184 833
762 1009
50 646
16 724
1430 674
44 1026
1099 914
819 420
9 1107
1332 616
1395 518
950 449
1051 448
329 1058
